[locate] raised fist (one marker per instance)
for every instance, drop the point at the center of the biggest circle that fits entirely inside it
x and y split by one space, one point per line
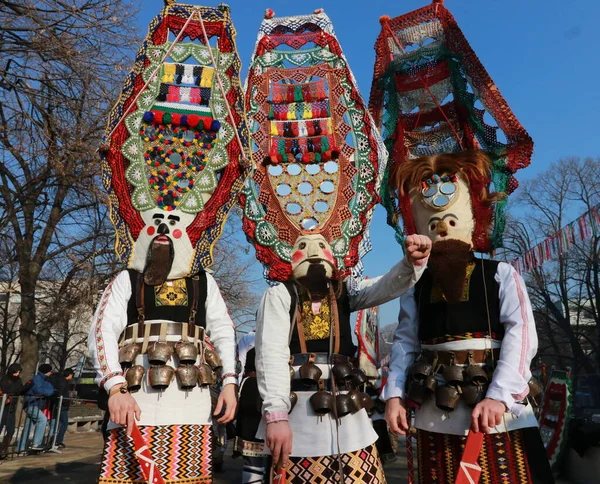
418 248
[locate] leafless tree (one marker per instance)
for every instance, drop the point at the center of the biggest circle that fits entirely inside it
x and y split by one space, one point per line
237 272
9 317
565 291
56 86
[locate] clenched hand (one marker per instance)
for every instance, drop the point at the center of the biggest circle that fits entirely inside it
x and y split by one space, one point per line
418 248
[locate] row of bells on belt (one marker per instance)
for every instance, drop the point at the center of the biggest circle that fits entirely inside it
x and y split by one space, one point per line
324 402
468 383
160 375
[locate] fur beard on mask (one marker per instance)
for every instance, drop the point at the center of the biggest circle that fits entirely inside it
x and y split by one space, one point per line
315 281
448 265
158 264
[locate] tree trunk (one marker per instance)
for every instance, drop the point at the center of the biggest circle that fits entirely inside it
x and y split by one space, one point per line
29 341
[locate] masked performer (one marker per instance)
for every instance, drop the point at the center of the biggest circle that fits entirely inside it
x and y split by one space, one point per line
304 331
249 415
173 164
466 333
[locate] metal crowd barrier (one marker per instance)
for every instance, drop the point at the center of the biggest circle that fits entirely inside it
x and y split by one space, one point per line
35 424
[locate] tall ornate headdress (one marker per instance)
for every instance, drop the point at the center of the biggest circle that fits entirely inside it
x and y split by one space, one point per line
430 95
176 144
319 155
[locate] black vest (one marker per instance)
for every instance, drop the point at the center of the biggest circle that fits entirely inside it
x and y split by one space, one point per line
347 347
178 314
437 319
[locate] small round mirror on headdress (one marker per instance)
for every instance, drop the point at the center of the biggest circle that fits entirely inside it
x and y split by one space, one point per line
439 192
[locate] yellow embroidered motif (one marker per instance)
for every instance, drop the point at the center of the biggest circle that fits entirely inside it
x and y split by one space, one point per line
437 294
171 293
315 326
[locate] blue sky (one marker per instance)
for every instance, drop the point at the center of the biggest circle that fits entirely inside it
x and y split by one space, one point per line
543 56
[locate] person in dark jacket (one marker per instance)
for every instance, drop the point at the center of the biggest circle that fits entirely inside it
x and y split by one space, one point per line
35 402
12 386
61 382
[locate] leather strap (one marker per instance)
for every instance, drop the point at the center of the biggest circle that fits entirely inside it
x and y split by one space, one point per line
336 320
299 386
301 338
459 357
139 298
320 359
172 329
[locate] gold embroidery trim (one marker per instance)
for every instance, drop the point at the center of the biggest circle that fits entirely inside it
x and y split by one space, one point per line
316 326
171 293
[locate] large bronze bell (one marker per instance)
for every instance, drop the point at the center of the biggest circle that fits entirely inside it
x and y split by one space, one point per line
420 369
367 402
212 358
359 377
310 374
134 377
356 398
293 401
128 354
322 402
205 375
343 404
160 376
342 372
159 353
476 374
447 396
472 394
453 374
416 392
186 352
187 376
430 383
535 389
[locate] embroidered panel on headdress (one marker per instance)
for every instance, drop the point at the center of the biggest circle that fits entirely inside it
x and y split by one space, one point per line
430 95
320 158
177 137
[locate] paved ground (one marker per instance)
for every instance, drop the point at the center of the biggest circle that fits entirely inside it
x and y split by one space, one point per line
79 464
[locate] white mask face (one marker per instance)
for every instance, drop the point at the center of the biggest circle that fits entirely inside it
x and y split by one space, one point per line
454 220
312 249
170 228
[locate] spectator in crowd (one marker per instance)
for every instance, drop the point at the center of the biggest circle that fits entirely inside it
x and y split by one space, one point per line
61 382
11 386
35 402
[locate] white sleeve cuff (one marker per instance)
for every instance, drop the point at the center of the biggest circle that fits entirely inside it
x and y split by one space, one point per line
230 379
111 382
393 389
501 395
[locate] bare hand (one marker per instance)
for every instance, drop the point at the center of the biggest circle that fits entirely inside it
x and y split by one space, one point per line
395 416
279 440
123 408
418 248
227 397
487 414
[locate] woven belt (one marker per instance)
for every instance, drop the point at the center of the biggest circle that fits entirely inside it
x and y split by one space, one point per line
320 359
299 386
172 329
459 357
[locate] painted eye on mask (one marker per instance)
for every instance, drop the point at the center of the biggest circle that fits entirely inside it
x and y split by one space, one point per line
157 222
322 245
171 222
302 245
